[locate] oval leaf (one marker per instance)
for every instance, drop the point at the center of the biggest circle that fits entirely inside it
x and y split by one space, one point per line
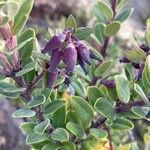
122 88
112 28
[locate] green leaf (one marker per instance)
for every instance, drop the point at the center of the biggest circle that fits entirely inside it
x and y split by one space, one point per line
60 80
76 129
106 108
71 23
83 110
145 81
122 16
23 113
34 138
22 16
36 101
96 53
98 133
122 88
141 93
60 134
141 112
42 126
147 32
122 4
112 28
28 127
122 124
99 32
147 67
53 106
105 9
68 146
103 68
79 87
40 56
136 55
93 93
27 68
83 32
59 117
50 146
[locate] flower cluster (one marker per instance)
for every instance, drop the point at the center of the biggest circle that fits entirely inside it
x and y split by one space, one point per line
10 42
68 48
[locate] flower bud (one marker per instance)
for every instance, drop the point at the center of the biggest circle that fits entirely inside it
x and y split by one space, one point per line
70 57
140 72
108 83
54 43
55 59
82 65
83 51
124 60
52 77
145 48
136 66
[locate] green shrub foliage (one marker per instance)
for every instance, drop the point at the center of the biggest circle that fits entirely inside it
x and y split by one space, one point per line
74 96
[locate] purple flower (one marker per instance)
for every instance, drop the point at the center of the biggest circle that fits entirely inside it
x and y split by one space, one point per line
108 83
83 65
52 77
136 66
145 48
140 72
124 60
83 51
55 59
55 42
70 57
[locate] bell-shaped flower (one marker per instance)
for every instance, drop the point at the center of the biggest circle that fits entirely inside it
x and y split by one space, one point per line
108 83
83 51
82 65
55 42
70 57
55 59
52 77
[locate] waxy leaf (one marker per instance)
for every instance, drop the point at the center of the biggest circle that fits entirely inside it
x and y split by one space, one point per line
36 101
139 90
103 68
147 67
68 146
105 9
99 32
141 112
98 133
24 112
59 117
112 28
105 108
136 55
71 23
26 50
122 16
60 134
42 126
53 106
27 68
22 16
122 88
34 138
147 33
145 81
93 94
50 146
28 127
83 32
83 110
122 124
76 129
